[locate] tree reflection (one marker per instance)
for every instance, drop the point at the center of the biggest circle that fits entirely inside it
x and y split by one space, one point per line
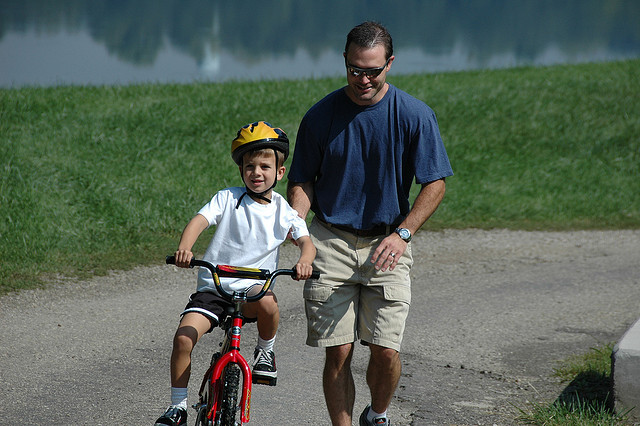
137 30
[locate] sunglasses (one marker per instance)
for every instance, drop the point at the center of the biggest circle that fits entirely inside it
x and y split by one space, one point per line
368 72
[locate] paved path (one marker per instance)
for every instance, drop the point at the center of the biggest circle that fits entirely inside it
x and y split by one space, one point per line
492 314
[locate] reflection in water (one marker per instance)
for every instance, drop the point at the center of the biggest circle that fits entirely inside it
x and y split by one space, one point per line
117 42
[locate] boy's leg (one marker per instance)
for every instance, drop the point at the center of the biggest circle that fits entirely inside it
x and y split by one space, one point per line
268 315
192 327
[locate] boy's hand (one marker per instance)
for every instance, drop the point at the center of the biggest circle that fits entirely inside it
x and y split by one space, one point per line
303 271
183 258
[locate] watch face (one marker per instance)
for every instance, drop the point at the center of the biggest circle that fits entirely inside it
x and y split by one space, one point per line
404 233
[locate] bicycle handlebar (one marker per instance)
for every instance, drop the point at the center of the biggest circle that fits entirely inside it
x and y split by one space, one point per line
240 272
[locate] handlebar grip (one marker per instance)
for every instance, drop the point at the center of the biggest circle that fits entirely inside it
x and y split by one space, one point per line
171 260
314 275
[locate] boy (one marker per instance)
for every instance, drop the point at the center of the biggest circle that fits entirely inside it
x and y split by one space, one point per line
251 222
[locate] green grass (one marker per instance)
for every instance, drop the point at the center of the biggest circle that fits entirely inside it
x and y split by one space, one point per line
101 178
586 400
550 148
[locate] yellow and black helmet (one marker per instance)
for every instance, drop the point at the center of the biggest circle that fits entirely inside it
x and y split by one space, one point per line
259 135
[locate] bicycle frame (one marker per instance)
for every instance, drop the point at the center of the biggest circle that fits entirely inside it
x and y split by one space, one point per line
232 356
212 390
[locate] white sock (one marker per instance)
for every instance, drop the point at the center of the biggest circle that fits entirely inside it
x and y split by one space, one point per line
266 345
179 397
372 414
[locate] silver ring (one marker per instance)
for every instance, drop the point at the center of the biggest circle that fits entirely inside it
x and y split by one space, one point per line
392 254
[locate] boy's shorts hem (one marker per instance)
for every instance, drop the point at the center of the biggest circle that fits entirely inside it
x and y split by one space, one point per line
211 306
208 304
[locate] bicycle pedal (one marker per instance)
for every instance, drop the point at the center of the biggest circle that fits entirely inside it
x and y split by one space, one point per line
269 381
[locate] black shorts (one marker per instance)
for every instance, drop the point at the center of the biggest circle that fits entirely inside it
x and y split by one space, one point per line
211 306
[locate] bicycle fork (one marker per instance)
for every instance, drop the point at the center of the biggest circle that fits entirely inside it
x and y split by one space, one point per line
232 356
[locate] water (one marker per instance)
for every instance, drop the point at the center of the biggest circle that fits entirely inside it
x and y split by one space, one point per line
80 42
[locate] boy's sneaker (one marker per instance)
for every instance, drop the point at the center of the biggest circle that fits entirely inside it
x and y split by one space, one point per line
174 416
264 367
377 421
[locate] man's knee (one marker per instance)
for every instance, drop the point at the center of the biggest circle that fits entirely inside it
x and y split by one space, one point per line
337 356
383 357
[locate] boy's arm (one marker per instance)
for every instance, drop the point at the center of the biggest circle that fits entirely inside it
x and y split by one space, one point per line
189 236
304 266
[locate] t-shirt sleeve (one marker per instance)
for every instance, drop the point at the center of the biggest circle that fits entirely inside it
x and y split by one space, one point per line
428 152
298 226
307 154
212 211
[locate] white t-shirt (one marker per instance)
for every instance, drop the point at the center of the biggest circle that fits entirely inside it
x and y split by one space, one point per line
249 236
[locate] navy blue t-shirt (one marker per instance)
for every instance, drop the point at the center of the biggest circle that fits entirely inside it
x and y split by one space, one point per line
363 159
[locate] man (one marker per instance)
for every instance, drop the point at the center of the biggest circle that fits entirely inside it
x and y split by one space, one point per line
357 153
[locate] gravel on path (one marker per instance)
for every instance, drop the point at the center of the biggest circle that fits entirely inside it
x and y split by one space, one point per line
493 312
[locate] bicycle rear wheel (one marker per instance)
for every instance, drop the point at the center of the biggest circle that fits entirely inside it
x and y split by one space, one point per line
229 403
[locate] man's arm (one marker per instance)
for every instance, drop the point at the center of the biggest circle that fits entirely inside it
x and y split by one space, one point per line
300 196
424 206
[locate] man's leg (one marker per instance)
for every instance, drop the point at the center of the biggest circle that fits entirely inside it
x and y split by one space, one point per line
338 385
383 375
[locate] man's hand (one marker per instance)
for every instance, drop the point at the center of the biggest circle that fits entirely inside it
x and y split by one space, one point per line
392 247
389 252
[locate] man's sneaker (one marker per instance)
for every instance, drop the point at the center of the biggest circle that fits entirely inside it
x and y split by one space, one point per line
264 367
174 416
377 421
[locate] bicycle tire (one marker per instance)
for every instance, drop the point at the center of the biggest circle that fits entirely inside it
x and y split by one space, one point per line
206 393
229 402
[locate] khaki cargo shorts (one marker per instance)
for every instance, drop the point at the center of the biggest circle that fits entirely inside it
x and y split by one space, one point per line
351 300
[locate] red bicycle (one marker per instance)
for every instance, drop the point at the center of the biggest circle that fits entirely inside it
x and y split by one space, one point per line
218 404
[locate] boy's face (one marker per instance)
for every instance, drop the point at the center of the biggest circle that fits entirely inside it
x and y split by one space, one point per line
260 171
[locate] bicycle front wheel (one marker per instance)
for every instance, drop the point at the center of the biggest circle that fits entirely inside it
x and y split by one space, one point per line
201 417
229 403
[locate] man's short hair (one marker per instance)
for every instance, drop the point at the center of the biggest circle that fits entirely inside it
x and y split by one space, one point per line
368 35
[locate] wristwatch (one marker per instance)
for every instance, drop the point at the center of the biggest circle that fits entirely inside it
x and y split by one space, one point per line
404 233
